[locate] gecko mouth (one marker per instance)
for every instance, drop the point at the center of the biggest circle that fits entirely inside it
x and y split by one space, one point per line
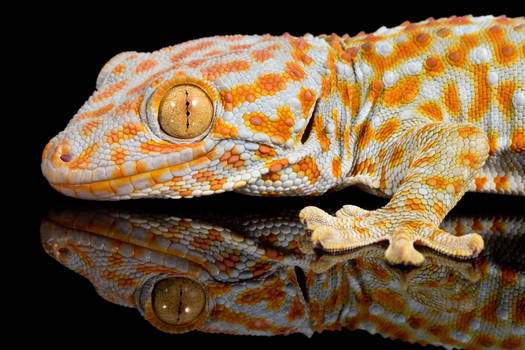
132 179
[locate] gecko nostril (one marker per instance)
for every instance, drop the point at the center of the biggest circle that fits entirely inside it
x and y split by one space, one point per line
66 157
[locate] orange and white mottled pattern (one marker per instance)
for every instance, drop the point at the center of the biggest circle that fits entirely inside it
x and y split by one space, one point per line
422 112
258 282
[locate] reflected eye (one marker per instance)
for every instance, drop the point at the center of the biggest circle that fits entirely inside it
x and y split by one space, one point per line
185 111
178 301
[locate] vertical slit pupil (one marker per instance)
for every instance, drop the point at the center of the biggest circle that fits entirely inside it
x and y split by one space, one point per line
187 109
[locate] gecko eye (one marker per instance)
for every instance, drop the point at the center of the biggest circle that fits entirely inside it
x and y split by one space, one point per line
178 301
185 111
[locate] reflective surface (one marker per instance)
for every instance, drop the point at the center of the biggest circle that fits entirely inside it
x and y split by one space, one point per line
256 273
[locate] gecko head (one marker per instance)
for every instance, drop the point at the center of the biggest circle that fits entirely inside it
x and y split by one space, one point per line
202 117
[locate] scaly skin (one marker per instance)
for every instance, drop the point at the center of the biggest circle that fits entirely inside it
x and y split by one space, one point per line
250 279
421 113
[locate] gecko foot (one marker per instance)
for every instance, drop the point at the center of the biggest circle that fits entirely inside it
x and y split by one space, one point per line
353 227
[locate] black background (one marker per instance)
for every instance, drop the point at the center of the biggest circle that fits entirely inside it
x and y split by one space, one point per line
62 49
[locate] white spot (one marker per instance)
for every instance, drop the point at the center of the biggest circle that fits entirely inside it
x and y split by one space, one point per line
260 137
243 133
480 54
468 29
518 99
413 68
431 90
402 38
493 78
389 78
384 48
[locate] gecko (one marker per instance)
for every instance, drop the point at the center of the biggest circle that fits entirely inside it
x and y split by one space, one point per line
247 276
420 113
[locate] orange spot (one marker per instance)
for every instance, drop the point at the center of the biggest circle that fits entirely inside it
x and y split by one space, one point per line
364 133
307 167
264 54
130 105
504 50
451 97
386 130
423 161
191 49
434 65
517 140
518 312
416 321
414 204
127 132
89 127
480 182
346 139
364 167
349 96
390 300
404 91
467 131
83 159
431 110
501 182
214 71
119 68
240 47
436 182
221 129
279 130
481 101
375 91
498 225
300 45
336 124
336 167
275 167
318 128
145 65
111 90
456 57
484 340
118 156
443 32
469 160
294 71
307 99
96 113
265 151
493 142
512 342
402 52
504 96
265 85
397 157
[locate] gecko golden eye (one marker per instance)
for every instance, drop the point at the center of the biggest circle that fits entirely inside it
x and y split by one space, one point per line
185 112
178 301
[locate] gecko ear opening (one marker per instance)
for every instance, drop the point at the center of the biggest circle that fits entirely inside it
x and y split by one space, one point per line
185 112
308 128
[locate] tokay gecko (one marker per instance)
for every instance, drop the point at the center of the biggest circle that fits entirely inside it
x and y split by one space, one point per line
421 113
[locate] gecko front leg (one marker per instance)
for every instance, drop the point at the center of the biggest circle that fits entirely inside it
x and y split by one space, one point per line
442 160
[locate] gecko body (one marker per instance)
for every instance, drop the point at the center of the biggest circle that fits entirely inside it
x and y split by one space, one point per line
420 113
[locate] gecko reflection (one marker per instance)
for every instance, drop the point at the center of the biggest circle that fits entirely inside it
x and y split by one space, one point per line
259 275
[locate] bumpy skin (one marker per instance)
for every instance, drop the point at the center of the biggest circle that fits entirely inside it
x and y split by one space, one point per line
421 113
251 274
